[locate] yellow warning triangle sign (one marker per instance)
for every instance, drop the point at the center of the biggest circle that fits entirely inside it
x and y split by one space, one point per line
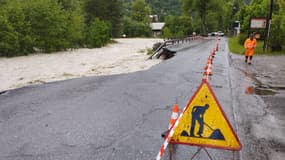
204 123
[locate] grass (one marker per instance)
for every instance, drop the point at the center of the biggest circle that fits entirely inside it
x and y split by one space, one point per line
148 51
141 51
235 47
112 41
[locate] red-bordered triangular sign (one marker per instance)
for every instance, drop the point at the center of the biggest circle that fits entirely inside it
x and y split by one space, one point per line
204 123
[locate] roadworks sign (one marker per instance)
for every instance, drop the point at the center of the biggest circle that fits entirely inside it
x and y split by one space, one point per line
204 123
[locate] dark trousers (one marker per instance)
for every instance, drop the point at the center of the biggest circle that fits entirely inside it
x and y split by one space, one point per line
246 57
201 125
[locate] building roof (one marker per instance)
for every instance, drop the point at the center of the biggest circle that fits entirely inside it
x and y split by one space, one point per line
157 25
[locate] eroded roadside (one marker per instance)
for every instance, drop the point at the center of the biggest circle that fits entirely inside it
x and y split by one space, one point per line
258 99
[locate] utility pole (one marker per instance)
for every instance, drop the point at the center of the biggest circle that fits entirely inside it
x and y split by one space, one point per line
268 22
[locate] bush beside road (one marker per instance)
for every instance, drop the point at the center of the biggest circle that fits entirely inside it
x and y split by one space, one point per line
236 47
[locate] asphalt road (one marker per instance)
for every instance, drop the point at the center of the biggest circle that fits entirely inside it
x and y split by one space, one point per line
116 117
258 99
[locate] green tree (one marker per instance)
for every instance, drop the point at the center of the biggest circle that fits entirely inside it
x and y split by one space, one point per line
2 2
164 8
14 27
277 32
179 26
134 28
75 29
75 22
257 8
9 42
49 24
107 10
260 8
232 9
98 33
71 4
140 11
220 18
166 33
138 24
199 6
214 21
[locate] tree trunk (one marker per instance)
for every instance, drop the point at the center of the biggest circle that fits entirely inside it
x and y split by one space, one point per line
220 23
203 14
203 20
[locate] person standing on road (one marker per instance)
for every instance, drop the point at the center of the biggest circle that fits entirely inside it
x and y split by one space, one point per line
249 45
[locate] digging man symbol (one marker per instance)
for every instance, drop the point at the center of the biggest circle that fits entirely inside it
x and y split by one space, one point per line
203 123
198 115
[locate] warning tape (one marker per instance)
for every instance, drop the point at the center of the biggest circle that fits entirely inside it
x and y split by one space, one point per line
168 137
171 132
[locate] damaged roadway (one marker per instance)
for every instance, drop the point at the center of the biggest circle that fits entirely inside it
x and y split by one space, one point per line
122 116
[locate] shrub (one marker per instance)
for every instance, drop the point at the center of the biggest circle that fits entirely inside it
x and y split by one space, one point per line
149 51
134 28
241 38
15 36
9 42
166 33
98 33
75 29
179 26
49 24
43 25
277 35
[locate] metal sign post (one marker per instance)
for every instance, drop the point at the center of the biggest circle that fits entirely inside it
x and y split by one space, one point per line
198 150
268 21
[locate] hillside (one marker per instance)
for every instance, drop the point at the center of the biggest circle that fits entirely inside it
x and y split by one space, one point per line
161 8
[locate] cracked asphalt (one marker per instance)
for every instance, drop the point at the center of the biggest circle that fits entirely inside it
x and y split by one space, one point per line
122 116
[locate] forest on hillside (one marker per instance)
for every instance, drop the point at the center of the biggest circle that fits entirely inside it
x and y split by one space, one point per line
162 8
29 26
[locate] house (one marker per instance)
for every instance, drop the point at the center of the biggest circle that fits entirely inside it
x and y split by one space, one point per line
156 28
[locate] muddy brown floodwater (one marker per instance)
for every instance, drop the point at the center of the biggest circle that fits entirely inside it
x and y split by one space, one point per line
259 99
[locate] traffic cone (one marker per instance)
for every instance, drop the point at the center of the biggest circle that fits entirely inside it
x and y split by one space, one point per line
213 53
174 116
249 90
205 77
208 66
210 60
209 71
211 57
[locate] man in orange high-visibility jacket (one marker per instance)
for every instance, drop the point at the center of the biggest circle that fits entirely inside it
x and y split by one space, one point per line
249 45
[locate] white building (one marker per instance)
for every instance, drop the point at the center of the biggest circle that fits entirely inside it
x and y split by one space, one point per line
156 28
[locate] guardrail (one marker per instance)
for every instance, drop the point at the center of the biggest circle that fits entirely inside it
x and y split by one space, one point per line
157 53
